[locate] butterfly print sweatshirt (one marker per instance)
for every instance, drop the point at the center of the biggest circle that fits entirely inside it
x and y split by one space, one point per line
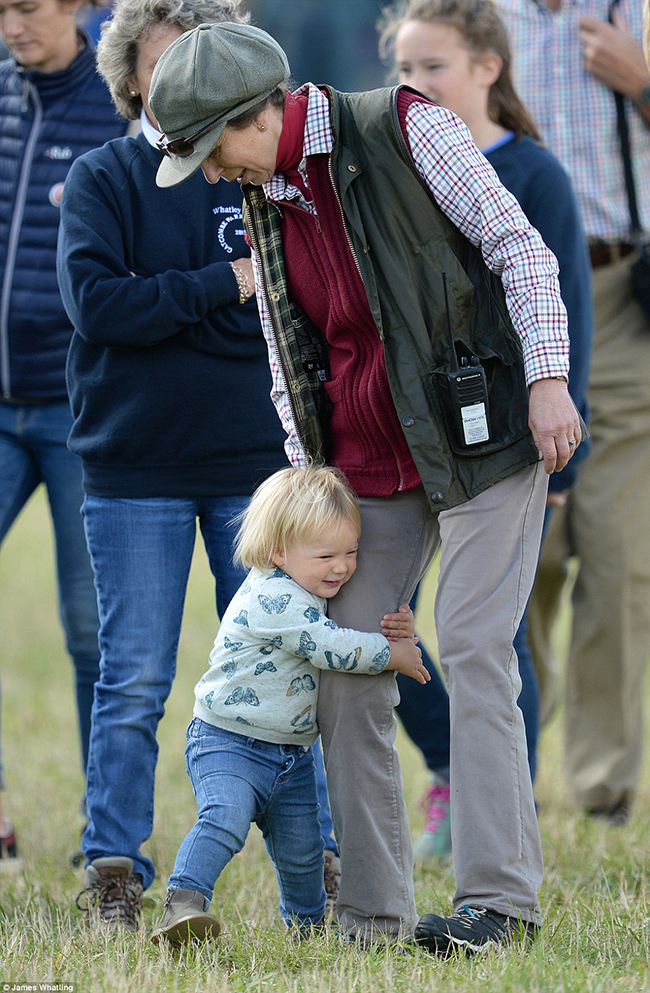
264 667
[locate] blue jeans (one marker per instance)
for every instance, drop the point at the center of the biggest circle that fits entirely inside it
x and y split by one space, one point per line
238 781
141 552
32 451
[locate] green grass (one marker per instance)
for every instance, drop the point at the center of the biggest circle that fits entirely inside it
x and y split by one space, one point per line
595 895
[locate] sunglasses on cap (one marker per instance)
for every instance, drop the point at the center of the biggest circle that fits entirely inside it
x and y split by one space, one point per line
183 147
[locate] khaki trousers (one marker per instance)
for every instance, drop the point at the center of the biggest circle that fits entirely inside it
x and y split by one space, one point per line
606 524
489 554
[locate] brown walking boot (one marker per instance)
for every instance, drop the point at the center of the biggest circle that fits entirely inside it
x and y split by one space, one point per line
113 894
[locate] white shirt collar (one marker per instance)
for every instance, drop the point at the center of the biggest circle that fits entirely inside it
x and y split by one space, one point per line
151 133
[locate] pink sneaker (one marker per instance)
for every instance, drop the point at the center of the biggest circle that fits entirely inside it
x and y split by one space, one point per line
435 840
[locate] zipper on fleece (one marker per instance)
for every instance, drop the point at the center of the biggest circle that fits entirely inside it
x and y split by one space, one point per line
14 235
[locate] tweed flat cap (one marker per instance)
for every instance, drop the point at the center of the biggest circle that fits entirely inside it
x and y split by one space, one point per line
204 79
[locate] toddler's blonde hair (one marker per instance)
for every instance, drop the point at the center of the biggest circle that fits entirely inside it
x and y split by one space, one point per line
291 507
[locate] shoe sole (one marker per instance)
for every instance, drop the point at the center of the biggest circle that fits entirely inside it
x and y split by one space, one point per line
445 945
434 943
188 928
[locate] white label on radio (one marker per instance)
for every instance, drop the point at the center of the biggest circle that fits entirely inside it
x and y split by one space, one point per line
475 425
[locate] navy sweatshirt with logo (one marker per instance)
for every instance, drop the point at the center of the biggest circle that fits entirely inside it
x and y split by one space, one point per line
47 120
168 374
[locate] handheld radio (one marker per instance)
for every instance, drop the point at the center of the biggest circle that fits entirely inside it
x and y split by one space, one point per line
467 390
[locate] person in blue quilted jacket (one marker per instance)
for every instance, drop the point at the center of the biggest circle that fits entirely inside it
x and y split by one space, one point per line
53 108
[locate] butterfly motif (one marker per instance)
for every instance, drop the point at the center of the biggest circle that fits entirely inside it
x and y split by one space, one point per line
306 645
264 667
279 573
311 614
380 660
271 643
246 588
345 662
242 618
274 604
229 668
331 624
232 646
302 722
301 683
242 720
242 694
209 697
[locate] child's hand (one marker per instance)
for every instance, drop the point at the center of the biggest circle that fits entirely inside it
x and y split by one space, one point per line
406 657
400 625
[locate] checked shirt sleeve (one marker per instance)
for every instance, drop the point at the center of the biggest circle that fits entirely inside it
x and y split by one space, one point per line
468 191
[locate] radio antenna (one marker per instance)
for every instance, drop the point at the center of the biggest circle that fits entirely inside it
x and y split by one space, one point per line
454 357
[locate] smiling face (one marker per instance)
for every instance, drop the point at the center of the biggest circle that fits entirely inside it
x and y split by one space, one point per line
322 566
40 34
247 155
157 41
433 58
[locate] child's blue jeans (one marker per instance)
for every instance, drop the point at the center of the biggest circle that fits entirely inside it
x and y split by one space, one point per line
238 781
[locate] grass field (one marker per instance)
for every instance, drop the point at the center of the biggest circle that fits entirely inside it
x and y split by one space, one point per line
595 896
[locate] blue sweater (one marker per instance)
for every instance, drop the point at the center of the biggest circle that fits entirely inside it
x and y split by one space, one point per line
544 191
46 121
167 373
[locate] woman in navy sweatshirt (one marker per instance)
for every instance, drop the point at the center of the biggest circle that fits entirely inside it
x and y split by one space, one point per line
169 383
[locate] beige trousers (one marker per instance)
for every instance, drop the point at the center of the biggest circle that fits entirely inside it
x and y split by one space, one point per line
489 554
606 524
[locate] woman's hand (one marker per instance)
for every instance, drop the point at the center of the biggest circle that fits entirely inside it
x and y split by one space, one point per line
554 422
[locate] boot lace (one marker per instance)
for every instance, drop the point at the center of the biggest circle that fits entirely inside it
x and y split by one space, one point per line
115 899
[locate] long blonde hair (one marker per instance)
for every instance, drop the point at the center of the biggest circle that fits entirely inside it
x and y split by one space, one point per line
482 30
291 507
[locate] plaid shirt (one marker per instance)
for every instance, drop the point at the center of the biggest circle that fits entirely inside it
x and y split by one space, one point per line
469 192
576 113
